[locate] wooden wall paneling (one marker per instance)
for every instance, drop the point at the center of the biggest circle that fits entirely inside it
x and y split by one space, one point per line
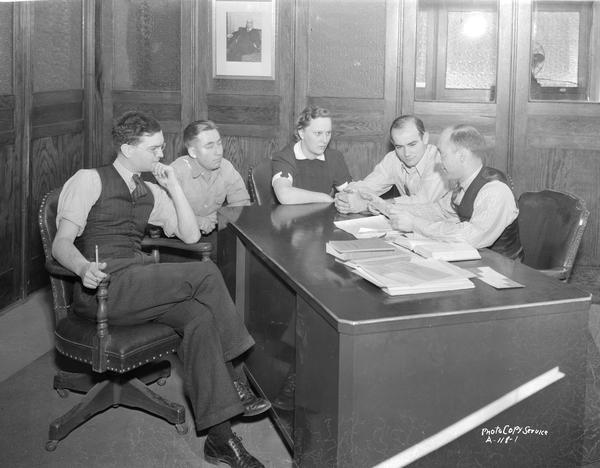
301 56
555 144
10 174
407 50
193 76
10 183
53 160
22 79
246 151
285 71
361 121
104 78
504 98
521 84
254 116
92 100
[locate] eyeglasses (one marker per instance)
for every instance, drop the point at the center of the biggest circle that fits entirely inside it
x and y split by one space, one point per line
156 150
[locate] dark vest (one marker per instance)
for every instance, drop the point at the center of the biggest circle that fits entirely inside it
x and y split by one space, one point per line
508 244
116 223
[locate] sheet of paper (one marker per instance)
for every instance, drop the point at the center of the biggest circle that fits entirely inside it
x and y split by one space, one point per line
493 278
370 226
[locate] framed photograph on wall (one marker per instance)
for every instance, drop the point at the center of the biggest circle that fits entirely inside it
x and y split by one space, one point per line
244 39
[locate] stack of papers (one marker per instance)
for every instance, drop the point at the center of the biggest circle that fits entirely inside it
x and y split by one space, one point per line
370 226
398 276
429 248
359 248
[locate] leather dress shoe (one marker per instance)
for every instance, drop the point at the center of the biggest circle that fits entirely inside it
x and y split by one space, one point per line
231 452
253 405
285 398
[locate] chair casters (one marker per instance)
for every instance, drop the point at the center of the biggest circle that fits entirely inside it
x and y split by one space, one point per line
181 428
51 445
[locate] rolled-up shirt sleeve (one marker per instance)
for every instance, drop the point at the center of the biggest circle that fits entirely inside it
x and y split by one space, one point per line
77 197
237 195
163 214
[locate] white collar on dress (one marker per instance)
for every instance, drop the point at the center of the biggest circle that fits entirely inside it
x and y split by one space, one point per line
300 156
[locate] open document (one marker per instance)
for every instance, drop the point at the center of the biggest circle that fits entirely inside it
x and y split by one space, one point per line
398 276
429 248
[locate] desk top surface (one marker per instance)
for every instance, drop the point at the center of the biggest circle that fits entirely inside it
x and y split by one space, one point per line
291 240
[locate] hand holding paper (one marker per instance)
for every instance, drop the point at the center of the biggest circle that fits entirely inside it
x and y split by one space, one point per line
402 221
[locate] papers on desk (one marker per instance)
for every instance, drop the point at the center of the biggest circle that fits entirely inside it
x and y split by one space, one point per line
370 226
397 275
359 249
429 248
493 278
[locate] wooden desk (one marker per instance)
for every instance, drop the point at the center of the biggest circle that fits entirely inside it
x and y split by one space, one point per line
377 374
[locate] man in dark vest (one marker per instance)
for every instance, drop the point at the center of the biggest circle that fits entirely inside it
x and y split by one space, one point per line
101 218
480 210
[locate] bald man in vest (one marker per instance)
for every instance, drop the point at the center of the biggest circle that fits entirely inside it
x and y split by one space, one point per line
108 209
481 209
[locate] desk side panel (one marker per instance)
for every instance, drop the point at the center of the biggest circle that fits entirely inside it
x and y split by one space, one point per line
410 385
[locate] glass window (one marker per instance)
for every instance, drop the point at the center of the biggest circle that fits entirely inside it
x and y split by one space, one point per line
57 45
6 41
563 65
457 50
147 45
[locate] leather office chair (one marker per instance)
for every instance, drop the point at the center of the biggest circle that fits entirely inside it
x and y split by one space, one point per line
551 225
259 183
119 360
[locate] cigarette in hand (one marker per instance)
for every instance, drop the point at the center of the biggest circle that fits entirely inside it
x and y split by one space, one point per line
97 256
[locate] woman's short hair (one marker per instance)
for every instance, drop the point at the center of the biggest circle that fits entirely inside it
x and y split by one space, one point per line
308 114
194 129
131 126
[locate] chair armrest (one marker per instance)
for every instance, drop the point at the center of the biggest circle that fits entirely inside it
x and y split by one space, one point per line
176 244
56 269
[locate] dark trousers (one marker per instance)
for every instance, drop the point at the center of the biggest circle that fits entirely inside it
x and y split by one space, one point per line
192 298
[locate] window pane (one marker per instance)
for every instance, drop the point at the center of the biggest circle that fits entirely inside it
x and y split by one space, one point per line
563 64
57 45
423 20
559 32
457 50
147 44
472 54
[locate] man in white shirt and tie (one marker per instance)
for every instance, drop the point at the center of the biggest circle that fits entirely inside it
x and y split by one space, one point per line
481 210
414 168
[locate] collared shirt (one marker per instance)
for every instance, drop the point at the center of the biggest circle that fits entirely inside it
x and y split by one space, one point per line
83 190
208 190
493 210
423 183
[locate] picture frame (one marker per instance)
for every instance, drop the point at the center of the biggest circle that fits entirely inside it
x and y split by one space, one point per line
244 39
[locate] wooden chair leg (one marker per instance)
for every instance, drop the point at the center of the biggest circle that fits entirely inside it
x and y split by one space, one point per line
156 371
75 381
99 398
135 394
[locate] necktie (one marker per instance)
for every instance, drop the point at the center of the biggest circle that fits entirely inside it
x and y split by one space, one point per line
140 187
455 193
411 182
